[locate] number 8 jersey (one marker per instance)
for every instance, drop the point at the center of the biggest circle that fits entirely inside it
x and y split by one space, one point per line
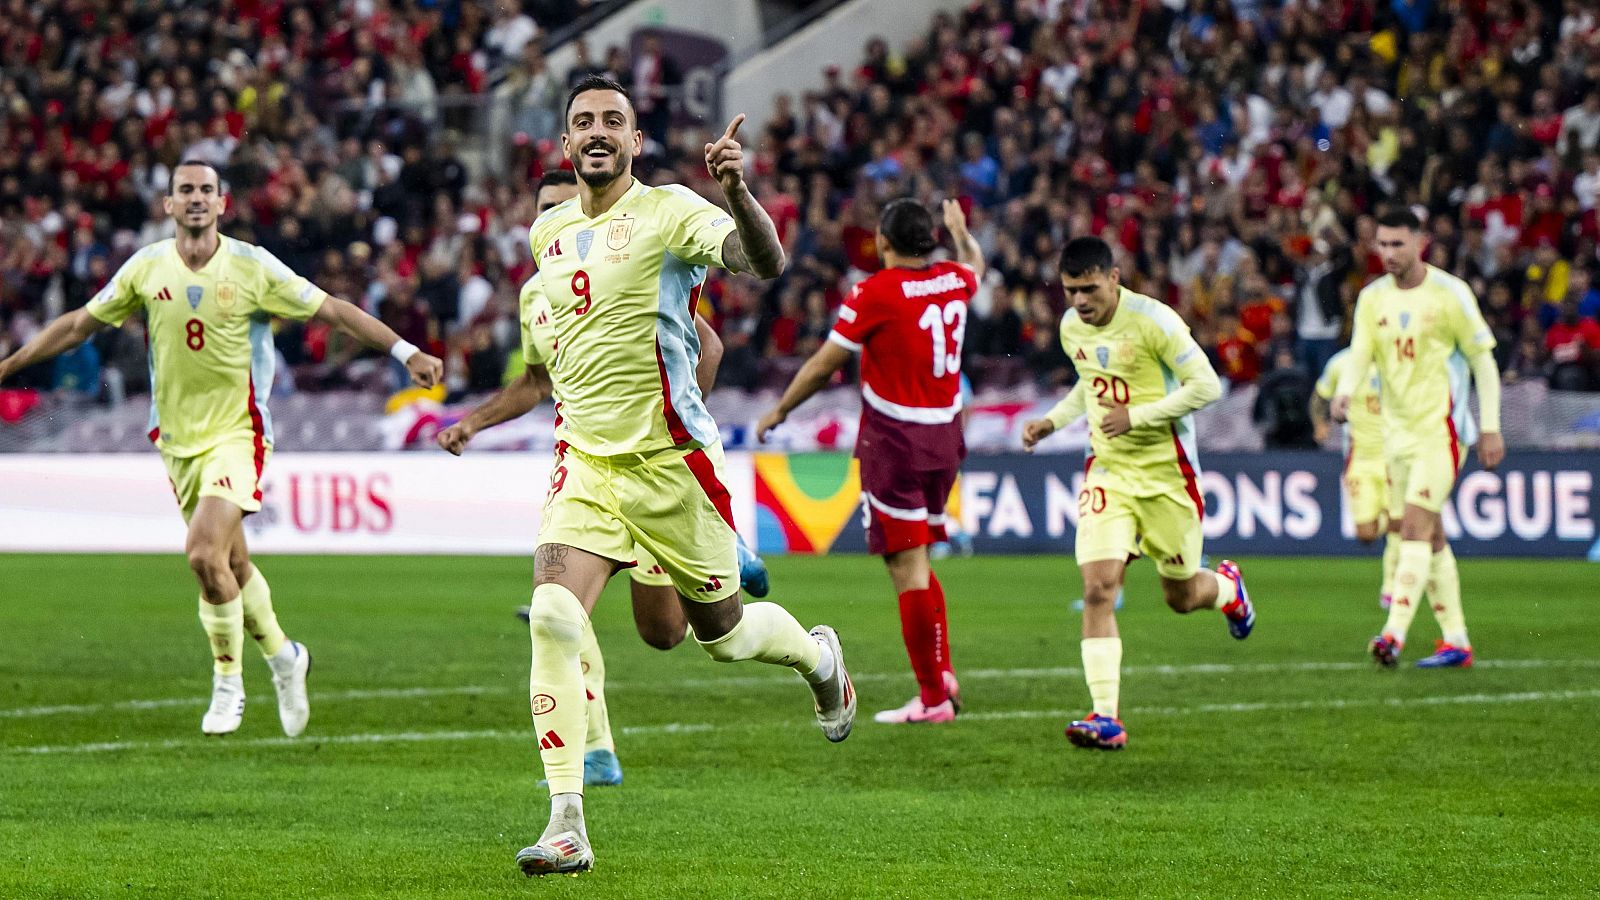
211 353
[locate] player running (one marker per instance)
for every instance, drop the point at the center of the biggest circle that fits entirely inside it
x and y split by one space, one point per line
208 300
908 322
639 461
1410 322
1366 475
656 612
1141 490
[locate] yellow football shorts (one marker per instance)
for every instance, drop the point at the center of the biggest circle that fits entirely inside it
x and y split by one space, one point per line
672 504
230 470
648 572
1166 528
1424 477
1366 489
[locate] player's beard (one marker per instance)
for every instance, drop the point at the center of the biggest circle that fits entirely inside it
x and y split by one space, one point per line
599 179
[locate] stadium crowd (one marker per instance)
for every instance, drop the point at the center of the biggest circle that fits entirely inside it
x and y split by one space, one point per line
1233 153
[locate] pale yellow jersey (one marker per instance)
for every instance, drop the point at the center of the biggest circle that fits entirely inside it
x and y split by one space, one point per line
1146 359
538 333
1413 338
211 353
622 289
1363 430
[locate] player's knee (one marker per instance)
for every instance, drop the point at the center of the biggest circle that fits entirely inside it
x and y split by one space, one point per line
1100 591
555 615
207 560
662 637
1176 594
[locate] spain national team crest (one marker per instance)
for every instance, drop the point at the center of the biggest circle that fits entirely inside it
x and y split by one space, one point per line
620 232
196 292
227 295
585 241
1405 320
1103 355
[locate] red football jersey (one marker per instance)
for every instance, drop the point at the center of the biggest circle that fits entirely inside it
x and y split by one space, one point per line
909 325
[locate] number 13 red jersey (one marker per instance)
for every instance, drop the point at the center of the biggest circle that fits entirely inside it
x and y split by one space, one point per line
909 326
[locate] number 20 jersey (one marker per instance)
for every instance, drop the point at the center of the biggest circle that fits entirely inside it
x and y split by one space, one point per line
1143 354
909 326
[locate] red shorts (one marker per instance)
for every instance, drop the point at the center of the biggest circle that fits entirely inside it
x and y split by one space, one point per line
903 509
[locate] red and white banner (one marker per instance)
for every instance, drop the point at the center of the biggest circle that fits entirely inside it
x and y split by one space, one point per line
333 503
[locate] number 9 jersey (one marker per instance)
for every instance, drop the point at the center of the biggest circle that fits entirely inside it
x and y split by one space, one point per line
211 353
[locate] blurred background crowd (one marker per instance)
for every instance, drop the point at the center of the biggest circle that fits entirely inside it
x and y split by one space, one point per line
1232 152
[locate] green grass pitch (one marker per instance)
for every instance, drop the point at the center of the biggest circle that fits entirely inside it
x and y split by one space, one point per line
1283 766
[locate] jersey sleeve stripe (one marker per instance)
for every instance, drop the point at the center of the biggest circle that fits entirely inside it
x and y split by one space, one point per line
844 342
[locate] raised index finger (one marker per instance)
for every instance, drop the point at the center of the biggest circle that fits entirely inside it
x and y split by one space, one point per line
733 127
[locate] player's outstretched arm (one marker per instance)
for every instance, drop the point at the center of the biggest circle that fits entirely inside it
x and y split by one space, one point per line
515 399
812 377
968 252
753 246
58 337
705 371
426 370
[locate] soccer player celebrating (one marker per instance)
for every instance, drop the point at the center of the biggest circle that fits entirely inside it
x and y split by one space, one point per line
656 612
1410 322
639 460
908 322
1141 490
208 300
1366 475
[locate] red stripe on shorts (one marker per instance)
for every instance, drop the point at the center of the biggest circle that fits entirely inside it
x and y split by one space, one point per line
259 434
705 472
1189 483
680 434
1455 440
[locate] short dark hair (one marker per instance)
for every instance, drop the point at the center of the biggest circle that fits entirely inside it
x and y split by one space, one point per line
593 83
172 183
1400 217
1083 255
555 178
908 227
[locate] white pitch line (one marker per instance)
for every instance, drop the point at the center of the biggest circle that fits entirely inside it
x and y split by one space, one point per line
692 727
778 678
197 700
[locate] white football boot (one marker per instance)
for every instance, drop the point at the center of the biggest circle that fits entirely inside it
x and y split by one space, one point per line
563 849
836 697
289 672
227 705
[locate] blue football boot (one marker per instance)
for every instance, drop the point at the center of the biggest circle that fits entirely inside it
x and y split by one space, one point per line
752 572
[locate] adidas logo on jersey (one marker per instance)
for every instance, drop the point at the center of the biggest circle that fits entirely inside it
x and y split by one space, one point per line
224 482
1080 357
164 295
553 250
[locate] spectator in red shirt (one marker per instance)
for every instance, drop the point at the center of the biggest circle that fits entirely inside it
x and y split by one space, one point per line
1573 348
1236 348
